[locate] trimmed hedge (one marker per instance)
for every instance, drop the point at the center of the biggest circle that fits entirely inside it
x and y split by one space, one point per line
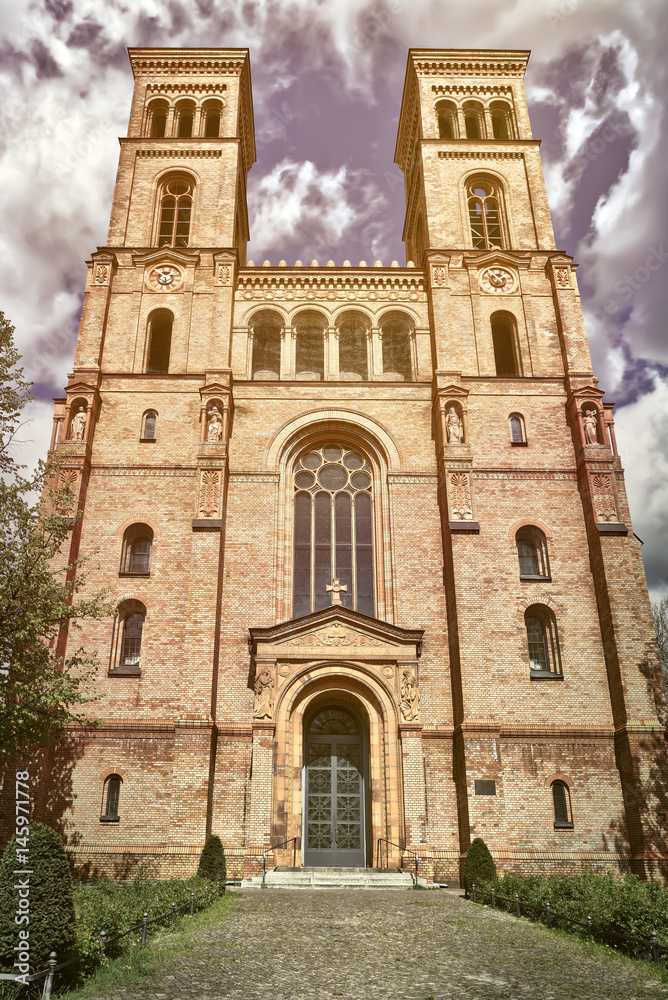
624 905
212 860
50 898
479 867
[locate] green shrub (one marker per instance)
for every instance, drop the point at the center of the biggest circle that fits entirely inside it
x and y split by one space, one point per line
624 905
212 860
479 867
50 898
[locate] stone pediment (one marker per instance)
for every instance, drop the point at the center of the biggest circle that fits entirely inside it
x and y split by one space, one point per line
335 632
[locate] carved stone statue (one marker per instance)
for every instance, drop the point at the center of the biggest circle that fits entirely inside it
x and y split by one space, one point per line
214 431
78 425
410 696
589 424
264 695
454 427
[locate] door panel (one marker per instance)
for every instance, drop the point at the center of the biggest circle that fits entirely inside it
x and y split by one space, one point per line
334 820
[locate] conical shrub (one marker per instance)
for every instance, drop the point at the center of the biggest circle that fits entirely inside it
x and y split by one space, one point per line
479 867
41 892
212 860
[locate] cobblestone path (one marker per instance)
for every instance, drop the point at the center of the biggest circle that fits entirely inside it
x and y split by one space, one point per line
383 945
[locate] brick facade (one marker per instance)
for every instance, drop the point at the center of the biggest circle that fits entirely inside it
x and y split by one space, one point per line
181 726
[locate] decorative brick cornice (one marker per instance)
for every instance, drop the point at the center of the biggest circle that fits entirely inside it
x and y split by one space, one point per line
188 62
405 283
179 152
472 154
198 87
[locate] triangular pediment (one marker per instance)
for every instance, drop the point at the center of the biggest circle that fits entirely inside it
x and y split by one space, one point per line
497 258
336 630
167 255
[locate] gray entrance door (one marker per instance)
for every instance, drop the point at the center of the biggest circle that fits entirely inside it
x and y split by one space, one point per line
334 791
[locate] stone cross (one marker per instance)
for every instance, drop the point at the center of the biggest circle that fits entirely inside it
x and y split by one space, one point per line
336 588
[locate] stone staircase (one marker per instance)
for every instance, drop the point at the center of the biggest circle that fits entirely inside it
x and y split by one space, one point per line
332 878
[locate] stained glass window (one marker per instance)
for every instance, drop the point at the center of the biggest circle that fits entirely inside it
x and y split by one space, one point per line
333 538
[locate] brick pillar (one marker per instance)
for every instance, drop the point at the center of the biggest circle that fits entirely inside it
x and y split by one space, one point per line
415 820
261 784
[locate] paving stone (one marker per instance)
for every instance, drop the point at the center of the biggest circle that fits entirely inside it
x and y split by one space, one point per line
385 945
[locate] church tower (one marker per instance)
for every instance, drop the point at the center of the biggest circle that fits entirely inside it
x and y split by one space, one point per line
366 527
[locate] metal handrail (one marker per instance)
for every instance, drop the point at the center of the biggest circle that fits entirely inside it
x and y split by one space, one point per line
406 850
274 847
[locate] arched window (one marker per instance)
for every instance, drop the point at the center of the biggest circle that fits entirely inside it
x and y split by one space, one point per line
518 434
504 340
136 557
485 203
211 116
159 342
266 361
157 119
543 642
128 637
148 425
176 204
396 337
353 336
532 553
501 120
561 800
111 796
474 120
184 118
310 346
446 116
333 536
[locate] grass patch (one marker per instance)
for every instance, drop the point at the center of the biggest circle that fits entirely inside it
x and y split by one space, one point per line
137 965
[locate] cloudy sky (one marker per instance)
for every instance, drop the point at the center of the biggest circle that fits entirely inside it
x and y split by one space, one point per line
327 82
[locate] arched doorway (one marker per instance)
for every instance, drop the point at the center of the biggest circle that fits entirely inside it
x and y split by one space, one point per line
335 783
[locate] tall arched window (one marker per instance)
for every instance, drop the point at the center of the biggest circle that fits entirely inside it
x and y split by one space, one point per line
266 360
310 346
185 116
532 553
518 433
211 116
474 120
353 335
111 797
543 642
561 801
160 342
176 202
136 555
148 425
446 116
128 633
396 336
501 120
485 203
333 536
504 339
157 119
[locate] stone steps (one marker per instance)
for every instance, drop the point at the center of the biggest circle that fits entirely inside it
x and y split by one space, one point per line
331 878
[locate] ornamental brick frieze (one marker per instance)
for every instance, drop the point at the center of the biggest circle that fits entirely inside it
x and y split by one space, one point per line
603 495
473 155
144 471
179 153
199 87
296 284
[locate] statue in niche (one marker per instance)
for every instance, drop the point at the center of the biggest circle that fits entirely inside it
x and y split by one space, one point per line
78 425
214 431
264 695
454 427
410 697
590 428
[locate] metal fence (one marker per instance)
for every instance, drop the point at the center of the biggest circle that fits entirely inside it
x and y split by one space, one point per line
543 913
54 966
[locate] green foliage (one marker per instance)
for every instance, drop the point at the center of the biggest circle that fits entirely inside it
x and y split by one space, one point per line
479 867
627 906
40 691
660 616
114 908
212 860
51 899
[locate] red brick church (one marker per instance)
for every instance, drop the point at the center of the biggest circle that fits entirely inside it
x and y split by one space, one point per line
365 522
